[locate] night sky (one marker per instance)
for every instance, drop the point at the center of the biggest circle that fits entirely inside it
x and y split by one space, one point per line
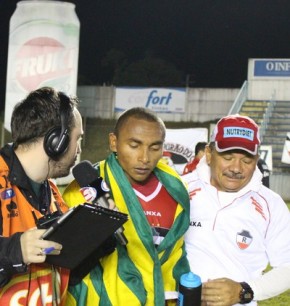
210 41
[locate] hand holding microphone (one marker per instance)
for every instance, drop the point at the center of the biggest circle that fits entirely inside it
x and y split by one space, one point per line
96 191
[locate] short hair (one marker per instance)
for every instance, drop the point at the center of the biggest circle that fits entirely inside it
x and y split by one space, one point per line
39 112
139 113
200 146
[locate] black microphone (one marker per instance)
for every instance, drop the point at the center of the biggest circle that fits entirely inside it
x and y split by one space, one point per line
95 190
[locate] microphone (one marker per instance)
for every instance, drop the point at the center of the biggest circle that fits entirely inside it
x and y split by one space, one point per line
95 190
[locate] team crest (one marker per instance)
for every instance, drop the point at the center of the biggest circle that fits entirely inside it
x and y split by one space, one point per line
244 239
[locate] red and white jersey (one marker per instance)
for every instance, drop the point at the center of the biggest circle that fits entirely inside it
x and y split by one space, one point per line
158 206
235 235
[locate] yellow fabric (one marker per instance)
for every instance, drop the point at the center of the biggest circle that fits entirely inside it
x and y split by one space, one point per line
72 195
141 265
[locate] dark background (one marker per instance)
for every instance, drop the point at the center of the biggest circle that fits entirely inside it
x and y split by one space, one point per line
207 42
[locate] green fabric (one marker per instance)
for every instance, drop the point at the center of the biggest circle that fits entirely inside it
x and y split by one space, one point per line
129 265
135 209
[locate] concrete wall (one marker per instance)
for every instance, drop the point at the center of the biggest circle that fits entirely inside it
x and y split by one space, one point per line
280 184
279 90
202 104
205 104
96 101
269 78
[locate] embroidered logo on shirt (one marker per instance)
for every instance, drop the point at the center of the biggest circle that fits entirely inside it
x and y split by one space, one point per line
152 213
244 239
193 192
12 210
195 224
258 207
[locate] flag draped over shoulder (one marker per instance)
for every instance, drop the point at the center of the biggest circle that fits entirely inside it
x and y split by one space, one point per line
138 273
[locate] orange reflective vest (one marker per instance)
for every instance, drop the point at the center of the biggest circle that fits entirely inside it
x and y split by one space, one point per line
42 284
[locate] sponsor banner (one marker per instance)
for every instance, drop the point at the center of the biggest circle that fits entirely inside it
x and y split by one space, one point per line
180 144
43 60
159 100
43 50
286 150
272 68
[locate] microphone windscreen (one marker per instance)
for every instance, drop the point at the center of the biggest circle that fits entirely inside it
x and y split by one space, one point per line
85 173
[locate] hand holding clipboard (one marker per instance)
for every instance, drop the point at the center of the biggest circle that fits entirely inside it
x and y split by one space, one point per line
81 231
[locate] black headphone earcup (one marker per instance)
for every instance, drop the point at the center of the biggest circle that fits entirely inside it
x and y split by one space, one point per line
53 146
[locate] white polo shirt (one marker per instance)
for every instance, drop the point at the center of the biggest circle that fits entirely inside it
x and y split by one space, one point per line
235 235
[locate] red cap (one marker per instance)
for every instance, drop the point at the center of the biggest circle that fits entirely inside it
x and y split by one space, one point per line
236 132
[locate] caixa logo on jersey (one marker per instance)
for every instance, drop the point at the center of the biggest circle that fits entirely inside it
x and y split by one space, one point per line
42 60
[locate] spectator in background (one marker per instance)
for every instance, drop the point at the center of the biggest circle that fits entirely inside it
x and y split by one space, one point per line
263 167
237 225
199 153
46 131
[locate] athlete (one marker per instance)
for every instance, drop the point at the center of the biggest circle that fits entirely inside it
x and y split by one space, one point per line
46 129
237 225
146 271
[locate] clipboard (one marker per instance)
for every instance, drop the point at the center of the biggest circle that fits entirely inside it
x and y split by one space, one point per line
81 231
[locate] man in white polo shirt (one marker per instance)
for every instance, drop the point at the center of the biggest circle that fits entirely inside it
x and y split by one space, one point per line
237 225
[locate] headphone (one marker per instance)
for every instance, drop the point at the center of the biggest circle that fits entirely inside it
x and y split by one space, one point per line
56 140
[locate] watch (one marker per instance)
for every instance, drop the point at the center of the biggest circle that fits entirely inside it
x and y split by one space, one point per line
246 294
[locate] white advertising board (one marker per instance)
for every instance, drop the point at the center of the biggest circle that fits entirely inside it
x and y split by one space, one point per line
159 100
180 144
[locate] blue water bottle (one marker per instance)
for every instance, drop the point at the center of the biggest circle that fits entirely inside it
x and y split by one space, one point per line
189 293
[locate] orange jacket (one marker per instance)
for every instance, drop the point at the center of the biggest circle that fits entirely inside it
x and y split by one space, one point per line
39 284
